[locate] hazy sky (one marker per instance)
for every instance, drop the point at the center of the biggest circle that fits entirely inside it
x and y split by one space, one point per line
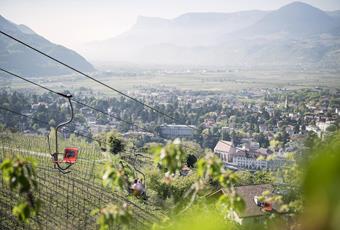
74 22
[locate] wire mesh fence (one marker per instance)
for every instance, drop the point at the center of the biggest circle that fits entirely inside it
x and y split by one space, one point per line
67 199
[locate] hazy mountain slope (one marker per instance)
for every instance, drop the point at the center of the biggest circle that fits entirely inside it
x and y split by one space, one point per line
295 34
254 52
189 30
21 60
296 19
334 14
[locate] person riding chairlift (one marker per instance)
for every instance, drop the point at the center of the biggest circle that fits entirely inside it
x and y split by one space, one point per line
138 188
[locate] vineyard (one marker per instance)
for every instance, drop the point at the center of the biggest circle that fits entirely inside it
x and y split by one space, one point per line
66 199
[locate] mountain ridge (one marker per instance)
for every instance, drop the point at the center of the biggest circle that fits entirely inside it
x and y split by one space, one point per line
296 18
295 34
19 59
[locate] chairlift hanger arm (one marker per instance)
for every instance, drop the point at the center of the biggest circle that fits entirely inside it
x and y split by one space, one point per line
68 96
63 170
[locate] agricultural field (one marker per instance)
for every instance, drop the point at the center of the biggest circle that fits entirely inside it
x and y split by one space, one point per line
202 80
66 199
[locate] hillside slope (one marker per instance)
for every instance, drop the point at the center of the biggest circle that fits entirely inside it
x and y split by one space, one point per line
21 60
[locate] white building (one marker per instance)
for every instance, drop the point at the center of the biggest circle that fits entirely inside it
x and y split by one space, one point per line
323 125
225 150
175 131
250 163
254 164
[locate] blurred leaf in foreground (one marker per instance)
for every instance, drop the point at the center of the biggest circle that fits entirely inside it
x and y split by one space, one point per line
321 188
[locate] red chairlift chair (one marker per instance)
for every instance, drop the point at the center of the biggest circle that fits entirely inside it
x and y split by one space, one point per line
70 153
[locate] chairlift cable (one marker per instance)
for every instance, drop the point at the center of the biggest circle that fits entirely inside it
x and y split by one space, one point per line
99 82
93 79
77 101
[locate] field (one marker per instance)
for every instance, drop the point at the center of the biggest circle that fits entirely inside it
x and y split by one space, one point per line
221 81
67 200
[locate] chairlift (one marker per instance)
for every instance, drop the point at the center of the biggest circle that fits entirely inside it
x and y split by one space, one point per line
138 186
70 154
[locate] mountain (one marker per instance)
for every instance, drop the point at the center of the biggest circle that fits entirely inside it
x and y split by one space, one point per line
295 34
295 19
21 60
334 14
188 30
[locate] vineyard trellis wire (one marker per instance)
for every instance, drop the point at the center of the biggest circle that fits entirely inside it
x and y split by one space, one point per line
67 200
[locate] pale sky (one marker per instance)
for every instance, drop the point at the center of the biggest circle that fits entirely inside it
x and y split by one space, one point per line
75 22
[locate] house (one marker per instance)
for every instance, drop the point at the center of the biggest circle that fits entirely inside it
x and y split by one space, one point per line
225 150
247 193
245 158
252 163
263 152
38 105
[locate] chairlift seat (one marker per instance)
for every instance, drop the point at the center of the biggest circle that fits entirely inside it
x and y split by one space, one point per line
70 155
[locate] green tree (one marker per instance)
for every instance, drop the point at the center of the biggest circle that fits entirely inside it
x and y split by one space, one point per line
115 143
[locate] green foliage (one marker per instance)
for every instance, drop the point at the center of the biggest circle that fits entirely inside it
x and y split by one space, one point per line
201 216
111 142
193 148
210 170
115 142
175 190
170 157
311 140
331 128
244 178
117 175
232 206
209 167
19 174
23 211
321 187
113 215
262 177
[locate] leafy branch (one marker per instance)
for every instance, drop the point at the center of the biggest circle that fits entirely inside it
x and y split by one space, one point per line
113 215
20 175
